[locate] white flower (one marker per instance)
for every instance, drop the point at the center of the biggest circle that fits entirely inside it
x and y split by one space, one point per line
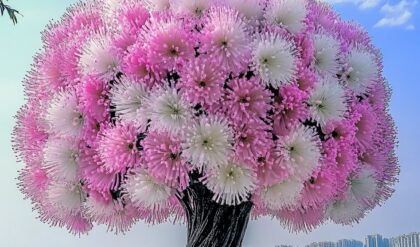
100 210
345 211
288 13
97 57
64 116
231 183
326 51
274 59
208 143
61 159
144 191
156 5
362 69
129 99
300 151
66 196
251 9
167 111
327 101
282 195
364 186
191 7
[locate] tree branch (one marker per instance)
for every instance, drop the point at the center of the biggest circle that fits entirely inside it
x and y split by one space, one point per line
10 11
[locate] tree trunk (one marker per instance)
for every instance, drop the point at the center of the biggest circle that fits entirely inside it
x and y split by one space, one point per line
211 224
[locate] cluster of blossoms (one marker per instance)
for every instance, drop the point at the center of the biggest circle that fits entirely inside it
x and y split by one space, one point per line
275 101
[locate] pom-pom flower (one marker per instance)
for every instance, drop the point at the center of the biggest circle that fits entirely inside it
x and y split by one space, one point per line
145 191
287 13
248 99
300 150
208 143
327 101
274 59
231 182
326 51
168 109
61 159
202 82
98 58
361 70
281 195
129 101
64 114
117 147
226 39
162 157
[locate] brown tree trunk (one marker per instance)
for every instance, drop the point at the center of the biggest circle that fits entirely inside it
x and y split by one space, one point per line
211 224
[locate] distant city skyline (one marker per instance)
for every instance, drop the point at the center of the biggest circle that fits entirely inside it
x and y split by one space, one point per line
373 240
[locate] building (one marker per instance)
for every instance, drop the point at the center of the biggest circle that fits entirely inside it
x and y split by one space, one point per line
349 243
322 244
406 240
376 241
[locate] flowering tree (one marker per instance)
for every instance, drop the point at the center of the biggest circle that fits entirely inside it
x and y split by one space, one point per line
205 112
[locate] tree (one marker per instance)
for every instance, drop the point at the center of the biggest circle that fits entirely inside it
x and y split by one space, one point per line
205 113
10 11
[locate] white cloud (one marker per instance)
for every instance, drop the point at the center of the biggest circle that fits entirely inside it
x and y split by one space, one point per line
363 4
398 14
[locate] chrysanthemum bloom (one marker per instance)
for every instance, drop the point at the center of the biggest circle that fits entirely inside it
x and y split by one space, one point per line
247 99
225 39
231 182
291 109
129 101
252 140
118 147
208 143
193 110
162 158
202 82
274 59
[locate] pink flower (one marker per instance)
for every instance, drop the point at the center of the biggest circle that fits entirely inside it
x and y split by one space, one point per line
247 99
33 181
320 187
341 131
136 66
226 39
117 147
252 140
269 170
93 170
132 16
202 81
300 219
366 122
290 110
167 44
162 159
94 99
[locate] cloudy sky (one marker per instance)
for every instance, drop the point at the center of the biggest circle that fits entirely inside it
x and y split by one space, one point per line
393 25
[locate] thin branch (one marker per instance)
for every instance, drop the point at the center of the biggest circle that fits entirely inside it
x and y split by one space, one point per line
10 11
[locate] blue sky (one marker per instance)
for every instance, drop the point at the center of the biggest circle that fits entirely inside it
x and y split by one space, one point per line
393 26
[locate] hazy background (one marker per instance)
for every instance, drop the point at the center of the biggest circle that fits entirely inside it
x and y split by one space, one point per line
392 25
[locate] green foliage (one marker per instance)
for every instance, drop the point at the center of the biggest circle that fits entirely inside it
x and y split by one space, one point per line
10 11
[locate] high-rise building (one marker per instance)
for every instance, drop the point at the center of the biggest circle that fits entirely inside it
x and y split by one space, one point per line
407 240
322 244
349 243
376 241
